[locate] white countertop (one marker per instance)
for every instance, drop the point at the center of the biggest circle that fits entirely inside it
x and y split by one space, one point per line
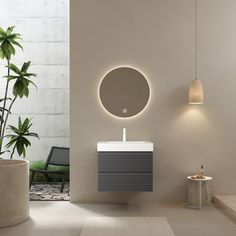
126 146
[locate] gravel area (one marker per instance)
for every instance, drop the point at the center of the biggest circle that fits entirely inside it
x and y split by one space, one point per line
49 192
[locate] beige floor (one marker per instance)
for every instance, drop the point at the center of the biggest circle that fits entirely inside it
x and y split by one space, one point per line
64 218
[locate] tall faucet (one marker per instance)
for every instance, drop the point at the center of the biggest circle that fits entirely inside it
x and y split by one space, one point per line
124 134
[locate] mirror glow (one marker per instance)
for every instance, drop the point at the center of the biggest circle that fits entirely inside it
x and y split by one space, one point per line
124 92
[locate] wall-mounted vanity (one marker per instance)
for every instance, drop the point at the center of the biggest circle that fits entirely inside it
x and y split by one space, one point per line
125 166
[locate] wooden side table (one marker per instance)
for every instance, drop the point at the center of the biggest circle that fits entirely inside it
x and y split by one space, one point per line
199 192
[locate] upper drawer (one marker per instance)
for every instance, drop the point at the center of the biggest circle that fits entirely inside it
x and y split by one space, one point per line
125 162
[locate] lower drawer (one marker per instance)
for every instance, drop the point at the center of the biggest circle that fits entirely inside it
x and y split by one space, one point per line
124 182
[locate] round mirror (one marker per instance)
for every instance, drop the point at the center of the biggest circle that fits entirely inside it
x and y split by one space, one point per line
124 92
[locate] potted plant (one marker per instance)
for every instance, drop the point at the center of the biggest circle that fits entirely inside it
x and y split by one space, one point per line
14 173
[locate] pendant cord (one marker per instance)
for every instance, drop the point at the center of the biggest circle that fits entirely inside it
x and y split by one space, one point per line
196 39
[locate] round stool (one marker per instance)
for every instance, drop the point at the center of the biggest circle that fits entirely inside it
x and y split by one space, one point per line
199 192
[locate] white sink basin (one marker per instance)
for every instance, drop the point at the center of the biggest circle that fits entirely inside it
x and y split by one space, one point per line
126 146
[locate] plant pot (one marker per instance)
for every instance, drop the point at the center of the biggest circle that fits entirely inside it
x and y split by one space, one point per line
14 192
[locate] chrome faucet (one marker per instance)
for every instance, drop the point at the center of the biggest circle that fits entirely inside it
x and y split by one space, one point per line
124 134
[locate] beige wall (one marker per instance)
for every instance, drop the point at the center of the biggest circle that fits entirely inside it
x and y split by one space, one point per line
157 37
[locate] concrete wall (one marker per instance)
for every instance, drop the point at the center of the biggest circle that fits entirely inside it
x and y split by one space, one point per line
157 37
44 26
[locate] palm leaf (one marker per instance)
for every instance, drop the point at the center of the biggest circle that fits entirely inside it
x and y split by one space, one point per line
9 30
19 123
33 135
20 139
1 53
14 68
25 66
12 49
10 77
8 40
17 44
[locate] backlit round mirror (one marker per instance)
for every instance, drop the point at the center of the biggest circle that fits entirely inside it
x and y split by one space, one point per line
124 92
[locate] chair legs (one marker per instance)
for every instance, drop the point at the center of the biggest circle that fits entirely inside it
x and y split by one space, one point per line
62 184
32 174
31 178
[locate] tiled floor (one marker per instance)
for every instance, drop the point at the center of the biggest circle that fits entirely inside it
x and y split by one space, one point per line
67 219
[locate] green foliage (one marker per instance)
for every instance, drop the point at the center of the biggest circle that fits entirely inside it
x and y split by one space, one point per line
21 86
20 137
39 165
8 41
18 140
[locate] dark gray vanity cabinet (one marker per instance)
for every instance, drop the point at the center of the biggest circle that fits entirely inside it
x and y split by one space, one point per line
125 171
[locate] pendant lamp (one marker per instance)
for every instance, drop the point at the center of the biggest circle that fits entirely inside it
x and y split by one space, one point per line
195 95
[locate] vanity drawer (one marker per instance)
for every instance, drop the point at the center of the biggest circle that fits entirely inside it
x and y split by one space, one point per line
125 162
125 182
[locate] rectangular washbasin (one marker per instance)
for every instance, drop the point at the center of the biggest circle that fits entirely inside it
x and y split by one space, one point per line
126 146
